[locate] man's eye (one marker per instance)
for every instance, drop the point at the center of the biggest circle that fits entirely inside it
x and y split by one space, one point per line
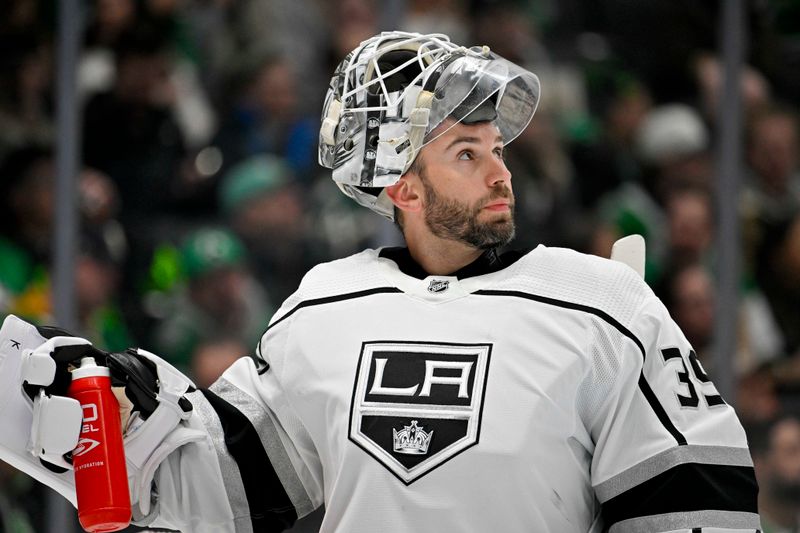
465 156
499 152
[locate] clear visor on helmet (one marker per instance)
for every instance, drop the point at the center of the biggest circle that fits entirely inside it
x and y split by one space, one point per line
470 81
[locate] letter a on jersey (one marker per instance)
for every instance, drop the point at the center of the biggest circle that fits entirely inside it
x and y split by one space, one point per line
416 405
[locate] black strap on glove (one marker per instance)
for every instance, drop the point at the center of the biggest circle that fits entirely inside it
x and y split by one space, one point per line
128 369
139 377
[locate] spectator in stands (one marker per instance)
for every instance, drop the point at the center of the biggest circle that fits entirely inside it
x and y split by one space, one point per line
129 131
220 299
606 162
26 92
26 241
690 227
511 32
757 398
108 22
775 446
294 29
773 140
113 23
708 73
110 19
771 193
27 216
211 357
689 296
672 142
351 21
439 16
266 118
265 207
688 291
778 276
544 183
97 281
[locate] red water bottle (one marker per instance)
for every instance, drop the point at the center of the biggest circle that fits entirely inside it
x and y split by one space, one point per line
101 478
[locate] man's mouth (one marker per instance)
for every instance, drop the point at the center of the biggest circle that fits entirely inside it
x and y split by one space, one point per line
501 205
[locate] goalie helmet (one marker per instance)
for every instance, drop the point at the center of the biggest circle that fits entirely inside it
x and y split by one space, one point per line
389 94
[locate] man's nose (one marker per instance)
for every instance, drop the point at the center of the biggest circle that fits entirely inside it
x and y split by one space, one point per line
497 172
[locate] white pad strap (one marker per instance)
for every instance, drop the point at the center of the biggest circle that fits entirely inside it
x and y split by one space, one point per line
149 442
38 365
144 436
56 419
419 119
142 479
331 121
56 428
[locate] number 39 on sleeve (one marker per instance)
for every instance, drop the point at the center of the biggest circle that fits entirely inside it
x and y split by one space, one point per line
691 380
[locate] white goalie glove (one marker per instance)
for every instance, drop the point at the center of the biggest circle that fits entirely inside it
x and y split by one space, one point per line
41 425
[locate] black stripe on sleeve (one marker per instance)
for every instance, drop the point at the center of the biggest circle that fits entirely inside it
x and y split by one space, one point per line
684 488
270 507
335 298
262 365
647 391
659 410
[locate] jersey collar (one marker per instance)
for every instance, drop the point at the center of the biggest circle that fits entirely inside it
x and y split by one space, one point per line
488 262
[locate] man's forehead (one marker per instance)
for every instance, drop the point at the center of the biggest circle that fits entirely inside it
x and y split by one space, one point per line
449 130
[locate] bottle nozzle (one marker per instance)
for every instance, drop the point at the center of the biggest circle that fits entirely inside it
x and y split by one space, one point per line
87 362
89 367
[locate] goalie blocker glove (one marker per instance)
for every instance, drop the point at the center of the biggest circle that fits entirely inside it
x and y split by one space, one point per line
41 424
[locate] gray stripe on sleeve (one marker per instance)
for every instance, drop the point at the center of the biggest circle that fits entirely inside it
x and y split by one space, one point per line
268 434
690 520
231 476
658 464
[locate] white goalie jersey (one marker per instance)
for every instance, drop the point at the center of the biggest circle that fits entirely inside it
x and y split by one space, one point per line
548 392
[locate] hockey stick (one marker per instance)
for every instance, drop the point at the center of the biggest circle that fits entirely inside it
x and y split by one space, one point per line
630 250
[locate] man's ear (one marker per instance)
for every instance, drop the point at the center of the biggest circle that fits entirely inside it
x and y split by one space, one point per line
405 194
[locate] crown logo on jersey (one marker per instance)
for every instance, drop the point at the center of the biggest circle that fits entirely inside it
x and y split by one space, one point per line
438 285
412 440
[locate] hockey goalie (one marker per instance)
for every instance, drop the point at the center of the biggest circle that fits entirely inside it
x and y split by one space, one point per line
439 386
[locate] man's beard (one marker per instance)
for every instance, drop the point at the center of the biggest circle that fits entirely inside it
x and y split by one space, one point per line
453 220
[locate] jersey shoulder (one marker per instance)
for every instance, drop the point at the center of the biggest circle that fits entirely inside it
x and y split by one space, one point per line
581 279
355 273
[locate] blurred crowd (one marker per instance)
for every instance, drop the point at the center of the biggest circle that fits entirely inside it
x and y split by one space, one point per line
202 204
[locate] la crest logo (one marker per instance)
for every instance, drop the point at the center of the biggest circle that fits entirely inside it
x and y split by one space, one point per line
416 405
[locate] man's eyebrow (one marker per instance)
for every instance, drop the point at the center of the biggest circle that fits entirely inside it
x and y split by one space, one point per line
473 140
